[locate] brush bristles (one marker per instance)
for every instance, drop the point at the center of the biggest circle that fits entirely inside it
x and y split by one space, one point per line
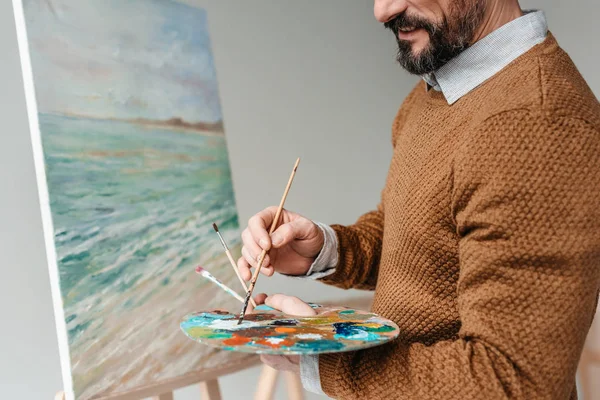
215 227
247 300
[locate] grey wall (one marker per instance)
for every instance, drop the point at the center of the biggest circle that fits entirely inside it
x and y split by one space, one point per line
297 78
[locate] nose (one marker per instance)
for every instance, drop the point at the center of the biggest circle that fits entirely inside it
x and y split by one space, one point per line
386 10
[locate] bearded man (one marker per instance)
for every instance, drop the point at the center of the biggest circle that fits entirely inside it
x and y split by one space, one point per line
485 247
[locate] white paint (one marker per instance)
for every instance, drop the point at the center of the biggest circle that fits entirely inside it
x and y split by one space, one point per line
314 336
361 335
232 324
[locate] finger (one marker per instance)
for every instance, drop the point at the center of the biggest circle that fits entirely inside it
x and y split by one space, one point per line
253 259
260 298
252 248
290 305
259 224
244 269
268 270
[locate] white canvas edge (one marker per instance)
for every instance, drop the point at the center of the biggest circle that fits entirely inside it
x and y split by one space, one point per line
42 186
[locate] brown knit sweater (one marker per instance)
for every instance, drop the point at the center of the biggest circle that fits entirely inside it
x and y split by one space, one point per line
485 248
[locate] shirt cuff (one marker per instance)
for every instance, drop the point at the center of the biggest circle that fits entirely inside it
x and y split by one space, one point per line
309 374
327 259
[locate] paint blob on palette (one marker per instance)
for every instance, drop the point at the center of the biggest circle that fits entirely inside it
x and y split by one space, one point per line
268 331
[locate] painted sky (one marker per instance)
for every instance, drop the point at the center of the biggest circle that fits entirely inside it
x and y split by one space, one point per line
122 59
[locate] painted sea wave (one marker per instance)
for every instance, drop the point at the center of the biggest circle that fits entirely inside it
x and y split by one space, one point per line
132 208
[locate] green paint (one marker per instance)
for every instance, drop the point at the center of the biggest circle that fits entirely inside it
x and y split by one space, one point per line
380 329
70 318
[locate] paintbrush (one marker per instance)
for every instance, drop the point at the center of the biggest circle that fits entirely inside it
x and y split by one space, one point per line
261 258
237 272
210 277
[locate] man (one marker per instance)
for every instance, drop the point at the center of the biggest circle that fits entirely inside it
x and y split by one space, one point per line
485 247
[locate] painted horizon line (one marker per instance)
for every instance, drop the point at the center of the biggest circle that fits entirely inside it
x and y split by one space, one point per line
173 123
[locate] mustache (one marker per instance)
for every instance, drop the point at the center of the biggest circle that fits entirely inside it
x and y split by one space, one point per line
404 20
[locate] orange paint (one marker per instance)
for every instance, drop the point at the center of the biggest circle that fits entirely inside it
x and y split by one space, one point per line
284 329
236 340
284 342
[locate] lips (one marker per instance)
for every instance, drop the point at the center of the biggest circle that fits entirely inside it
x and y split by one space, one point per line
407 29
409 33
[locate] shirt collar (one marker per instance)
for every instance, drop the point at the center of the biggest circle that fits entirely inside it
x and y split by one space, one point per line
488 56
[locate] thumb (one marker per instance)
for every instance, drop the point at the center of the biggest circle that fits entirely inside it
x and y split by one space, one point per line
290 305
286 233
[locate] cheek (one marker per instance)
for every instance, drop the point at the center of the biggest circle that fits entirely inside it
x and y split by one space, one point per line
434 12
431 10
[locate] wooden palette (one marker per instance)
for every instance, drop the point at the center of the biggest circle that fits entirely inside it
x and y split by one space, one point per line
269 331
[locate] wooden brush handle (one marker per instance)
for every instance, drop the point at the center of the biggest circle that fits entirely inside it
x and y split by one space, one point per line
274 224
262 256
234 265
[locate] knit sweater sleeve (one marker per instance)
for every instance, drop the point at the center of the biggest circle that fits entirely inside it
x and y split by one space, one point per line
525 203
359 252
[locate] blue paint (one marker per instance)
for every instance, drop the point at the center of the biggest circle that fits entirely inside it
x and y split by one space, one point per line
353 331
317 345
347 312
204 319
264 307
359 335
214 316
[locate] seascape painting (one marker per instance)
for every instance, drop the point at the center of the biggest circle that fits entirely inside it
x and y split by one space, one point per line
137 170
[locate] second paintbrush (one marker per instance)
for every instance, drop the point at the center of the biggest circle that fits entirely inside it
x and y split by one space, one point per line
230 257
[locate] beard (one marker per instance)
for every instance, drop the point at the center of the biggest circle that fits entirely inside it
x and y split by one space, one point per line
447 38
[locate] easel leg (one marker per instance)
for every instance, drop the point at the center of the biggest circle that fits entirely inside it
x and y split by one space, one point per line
210 390
164 396
294 386
266 384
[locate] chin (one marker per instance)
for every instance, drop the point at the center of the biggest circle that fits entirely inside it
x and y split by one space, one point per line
419 48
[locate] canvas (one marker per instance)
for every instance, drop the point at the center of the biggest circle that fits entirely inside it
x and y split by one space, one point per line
269 331
133 169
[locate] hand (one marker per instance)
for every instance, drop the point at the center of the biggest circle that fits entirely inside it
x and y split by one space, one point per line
292 248
292 306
